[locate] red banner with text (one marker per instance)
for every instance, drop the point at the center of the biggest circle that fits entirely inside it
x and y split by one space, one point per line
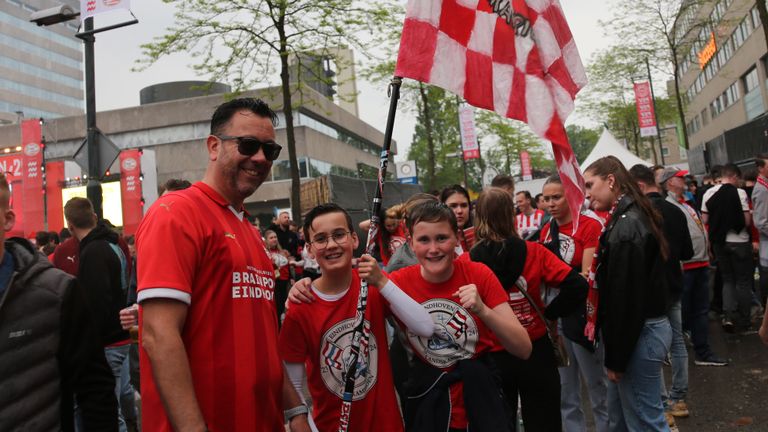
525 165
646 117
130 189
32 176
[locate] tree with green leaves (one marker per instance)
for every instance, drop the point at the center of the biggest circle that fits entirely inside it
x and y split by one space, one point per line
246 42
609 99
582 140
436 143
506 139
421 99
663 31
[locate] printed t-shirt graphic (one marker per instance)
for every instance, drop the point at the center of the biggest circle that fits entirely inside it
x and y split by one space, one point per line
195 248
320 334
528 224
572 244
459 334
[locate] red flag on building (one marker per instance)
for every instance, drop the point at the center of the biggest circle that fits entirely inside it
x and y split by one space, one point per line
515 57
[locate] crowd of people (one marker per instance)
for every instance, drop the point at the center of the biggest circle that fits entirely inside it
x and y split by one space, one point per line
482 314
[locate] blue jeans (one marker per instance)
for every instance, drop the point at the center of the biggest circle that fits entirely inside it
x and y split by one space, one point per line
589 366
679 356
117 358
634 403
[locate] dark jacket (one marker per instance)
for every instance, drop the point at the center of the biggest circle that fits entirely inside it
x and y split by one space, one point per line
678 239
507 260
725 213
101 275
67 256
49 351
428 400
631 282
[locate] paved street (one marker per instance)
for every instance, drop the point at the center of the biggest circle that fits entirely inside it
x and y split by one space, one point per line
730 398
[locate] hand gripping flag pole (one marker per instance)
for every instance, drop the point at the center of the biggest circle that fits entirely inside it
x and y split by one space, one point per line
358 333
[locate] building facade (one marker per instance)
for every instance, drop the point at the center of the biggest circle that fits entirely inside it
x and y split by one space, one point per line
41 68
723 77
329 139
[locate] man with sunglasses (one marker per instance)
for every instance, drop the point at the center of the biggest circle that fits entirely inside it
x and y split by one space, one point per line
206 290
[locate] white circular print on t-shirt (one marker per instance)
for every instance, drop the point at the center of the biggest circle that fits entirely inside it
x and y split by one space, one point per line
455 336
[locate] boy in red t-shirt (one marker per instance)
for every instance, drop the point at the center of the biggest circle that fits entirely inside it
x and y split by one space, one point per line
471 315
315 338
465 300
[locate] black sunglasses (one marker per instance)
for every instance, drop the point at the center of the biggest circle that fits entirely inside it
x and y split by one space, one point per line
249 146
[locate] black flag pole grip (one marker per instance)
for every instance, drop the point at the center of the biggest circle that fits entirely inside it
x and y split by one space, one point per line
360 330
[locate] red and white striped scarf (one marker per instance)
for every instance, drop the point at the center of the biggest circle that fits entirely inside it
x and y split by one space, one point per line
593 295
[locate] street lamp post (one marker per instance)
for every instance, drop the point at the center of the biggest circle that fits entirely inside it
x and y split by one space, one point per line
93 188
58 15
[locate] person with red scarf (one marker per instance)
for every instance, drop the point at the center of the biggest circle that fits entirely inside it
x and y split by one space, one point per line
575 244
628 297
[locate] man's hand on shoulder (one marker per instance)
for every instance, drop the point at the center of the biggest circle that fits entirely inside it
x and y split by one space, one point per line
300 292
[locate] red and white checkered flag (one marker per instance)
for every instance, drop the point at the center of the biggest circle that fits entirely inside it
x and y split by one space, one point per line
515 57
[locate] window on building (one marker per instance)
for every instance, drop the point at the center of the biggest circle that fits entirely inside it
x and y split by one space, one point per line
755 15
732 93
664 151
764 62
683 153
753 97
281 169
751 81
704 118
738 38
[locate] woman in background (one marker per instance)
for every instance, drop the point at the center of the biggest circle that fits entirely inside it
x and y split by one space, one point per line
627 301
576 245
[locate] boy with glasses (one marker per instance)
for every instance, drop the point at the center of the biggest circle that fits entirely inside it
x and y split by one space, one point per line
451 384
316 338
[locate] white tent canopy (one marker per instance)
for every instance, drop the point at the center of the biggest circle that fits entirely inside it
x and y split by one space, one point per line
607 145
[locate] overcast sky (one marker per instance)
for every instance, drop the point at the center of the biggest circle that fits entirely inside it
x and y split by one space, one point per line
116 51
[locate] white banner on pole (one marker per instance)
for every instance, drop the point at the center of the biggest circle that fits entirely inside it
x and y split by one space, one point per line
468 134
89 8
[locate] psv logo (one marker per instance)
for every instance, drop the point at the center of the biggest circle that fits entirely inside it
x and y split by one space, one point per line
110 3
32 149
129 164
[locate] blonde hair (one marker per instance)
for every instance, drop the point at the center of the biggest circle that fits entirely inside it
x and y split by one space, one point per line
397 211
267 233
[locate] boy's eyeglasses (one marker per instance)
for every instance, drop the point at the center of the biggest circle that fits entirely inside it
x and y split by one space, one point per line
340 237
249 146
